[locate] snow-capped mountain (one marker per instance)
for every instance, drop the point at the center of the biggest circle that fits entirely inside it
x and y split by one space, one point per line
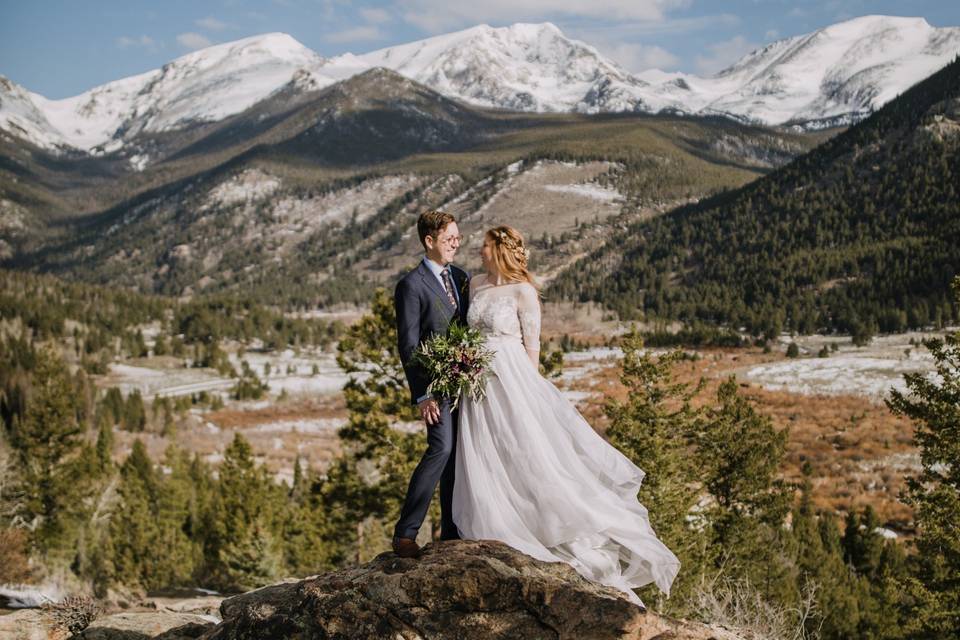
527 67
206 85
836 75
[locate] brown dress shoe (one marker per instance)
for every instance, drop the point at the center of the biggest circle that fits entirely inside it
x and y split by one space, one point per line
406 548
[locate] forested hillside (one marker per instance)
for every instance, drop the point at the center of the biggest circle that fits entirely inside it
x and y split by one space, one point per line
860 235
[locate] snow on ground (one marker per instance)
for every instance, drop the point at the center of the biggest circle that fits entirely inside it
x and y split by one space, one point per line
12 216
586 190
248 186
139 161
546 198
294 373
836 375
593 353
575 396
30 596
869 371
289 372
316 425
361 202
164 382
900 462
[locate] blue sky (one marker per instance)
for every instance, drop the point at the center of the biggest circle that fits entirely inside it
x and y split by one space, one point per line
60 48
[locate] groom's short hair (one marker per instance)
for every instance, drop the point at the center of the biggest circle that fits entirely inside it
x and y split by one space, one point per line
431 223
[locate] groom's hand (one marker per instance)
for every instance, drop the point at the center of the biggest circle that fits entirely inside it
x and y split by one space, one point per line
429 411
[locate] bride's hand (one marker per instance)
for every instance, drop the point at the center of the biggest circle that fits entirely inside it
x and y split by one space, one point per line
429 411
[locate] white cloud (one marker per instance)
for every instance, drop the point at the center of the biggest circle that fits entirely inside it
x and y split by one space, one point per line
771 34
148 43
439 15
211 23
638 57
723 54
376 16
357 34
671 26
193 41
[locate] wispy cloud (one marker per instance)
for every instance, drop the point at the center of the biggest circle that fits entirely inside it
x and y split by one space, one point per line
679 26
438 15
357 34
622 40
193 41
211 24
723 54
638 57
145 42
375 16
631 30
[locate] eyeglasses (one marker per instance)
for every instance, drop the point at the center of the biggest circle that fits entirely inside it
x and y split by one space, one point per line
450 240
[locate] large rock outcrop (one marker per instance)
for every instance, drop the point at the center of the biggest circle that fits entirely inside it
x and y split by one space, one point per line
479 590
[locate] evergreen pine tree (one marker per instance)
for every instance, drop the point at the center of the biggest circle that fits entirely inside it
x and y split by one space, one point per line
47 440
739 453
134 413
104 446
377 397
133 533
934 407
182 553
655 428
247 551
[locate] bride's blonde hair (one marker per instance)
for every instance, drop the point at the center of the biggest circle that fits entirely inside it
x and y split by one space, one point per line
510 255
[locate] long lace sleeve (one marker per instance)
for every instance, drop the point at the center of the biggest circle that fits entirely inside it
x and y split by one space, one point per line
528 309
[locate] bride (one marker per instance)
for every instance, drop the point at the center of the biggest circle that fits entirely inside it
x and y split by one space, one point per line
530 471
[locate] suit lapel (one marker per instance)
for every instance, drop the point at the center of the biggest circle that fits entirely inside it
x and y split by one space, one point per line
434 284
461 282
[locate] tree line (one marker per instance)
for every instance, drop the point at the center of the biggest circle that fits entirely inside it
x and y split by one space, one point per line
857 236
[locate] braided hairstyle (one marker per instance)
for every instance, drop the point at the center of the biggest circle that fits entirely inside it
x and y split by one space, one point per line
510 256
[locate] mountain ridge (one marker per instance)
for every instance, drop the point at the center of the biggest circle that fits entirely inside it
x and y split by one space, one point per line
833 76
855 236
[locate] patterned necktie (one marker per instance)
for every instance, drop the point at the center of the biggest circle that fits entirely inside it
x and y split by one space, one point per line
448 285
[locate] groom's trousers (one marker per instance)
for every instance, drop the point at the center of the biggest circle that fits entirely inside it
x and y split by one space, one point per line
436 466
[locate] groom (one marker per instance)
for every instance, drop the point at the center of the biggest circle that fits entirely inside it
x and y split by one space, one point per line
427 300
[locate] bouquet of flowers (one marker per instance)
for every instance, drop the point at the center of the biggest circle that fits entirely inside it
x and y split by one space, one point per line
457 362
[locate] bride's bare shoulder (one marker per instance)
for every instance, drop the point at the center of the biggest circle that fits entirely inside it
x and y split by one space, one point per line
477 280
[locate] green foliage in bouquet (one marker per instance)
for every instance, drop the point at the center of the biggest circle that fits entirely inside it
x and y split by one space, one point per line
457 362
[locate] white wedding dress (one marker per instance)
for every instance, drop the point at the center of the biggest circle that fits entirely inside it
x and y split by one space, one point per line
530 471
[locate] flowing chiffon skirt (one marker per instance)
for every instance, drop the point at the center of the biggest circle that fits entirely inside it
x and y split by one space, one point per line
530 472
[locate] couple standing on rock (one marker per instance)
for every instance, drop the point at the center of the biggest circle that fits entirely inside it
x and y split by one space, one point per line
521 466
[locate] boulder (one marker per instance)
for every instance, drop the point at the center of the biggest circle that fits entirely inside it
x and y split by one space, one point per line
140 625
31 624
481 590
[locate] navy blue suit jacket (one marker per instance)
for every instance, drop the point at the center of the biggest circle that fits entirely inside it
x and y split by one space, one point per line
423 309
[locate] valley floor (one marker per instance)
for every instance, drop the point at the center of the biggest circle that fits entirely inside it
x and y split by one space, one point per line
831 406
